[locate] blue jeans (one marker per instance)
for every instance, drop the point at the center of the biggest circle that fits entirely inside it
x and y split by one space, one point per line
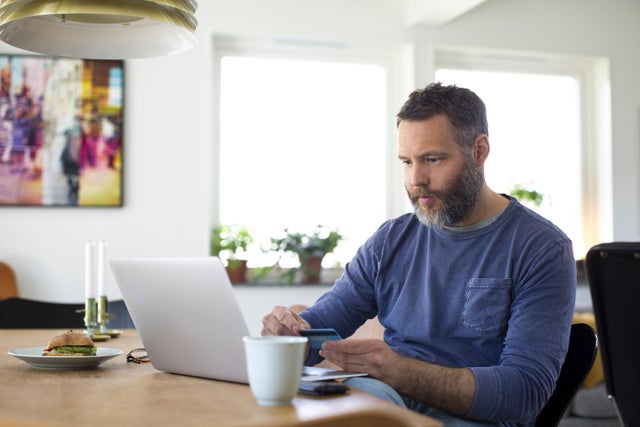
385 392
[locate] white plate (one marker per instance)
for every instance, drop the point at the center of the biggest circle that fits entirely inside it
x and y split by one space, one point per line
33 356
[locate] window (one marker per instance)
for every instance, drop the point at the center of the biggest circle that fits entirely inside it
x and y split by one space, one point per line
303 141
536 108
534 130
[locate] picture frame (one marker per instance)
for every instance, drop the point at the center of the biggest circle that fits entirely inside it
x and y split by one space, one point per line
61 127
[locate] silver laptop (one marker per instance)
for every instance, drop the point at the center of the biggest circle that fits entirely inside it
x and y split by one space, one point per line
188 318
186 314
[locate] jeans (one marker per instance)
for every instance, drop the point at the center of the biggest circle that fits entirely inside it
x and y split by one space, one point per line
385 392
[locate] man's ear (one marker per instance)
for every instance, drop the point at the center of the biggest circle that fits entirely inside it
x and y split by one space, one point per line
481 149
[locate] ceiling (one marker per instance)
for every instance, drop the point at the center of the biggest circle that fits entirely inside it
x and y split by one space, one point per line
438 12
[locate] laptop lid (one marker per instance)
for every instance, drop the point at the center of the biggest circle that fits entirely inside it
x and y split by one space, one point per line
186 313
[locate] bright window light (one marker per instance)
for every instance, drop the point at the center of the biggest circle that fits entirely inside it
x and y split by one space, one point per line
303 143
534 132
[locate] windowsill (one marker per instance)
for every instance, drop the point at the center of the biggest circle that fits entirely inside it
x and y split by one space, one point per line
275 279
265 284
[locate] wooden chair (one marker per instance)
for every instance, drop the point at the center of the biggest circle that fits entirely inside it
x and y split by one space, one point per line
8 284
583 345
376 418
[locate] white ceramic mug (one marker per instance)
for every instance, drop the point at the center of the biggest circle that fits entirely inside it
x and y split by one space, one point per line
274 366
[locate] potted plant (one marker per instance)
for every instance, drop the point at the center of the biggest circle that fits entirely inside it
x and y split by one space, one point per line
310 249
523 194
230 243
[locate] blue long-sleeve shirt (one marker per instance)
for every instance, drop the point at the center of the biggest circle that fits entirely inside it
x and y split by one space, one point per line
498 299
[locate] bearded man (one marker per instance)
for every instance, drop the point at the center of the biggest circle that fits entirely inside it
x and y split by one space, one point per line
475 291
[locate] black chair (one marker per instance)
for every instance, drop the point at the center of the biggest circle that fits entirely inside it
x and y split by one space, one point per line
583 345
613 271
21 313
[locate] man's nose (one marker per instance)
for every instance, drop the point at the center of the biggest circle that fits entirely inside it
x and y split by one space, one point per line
418 177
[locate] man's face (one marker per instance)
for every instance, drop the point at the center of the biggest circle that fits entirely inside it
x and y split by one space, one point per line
442 182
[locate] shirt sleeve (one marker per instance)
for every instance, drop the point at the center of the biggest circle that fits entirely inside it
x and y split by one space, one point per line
351 301
536 341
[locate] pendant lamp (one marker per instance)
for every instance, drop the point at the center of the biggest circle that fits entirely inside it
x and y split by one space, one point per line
99 29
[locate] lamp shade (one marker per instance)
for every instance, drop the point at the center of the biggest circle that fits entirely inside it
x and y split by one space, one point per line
99 29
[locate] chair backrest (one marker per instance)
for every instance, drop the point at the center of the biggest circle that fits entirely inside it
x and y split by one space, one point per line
613 271
583 345
8 285
31 314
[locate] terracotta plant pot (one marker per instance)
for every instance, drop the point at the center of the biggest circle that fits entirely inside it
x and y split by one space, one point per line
311 267
237 270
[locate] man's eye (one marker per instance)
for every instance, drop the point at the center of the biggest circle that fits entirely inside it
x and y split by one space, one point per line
432 159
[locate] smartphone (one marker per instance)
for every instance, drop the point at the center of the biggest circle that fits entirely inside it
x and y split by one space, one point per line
319 336
322 388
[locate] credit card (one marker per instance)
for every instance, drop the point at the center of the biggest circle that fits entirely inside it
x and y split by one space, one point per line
319 336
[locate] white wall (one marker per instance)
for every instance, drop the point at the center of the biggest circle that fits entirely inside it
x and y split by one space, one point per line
169 115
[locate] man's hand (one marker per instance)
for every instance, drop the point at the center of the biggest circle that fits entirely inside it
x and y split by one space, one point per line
371 356
283 321
451 389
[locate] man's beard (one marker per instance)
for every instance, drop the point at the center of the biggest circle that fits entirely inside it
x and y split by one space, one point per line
458 198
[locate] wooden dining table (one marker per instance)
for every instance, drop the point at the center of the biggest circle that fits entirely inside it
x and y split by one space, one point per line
121 393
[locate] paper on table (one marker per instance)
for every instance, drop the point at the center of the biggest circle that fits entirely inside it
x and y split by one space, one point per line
315 373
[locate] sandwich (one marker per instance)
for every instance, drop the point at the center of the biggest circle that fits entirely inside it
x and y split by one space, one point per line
70 343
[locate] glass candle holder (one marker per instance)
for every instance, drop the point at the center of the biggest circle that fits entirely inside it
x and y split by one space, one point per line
90 316
103 314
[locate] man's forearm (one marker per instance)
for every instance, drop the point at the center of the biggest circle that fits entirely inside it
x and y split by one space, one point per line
450 389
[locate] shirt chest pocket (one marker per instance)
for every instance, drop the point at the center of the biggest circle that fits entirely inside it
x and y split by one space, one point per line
487 304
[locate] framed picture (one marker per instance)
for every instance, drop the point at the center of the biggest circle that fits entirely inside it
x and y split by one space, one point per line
61 124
